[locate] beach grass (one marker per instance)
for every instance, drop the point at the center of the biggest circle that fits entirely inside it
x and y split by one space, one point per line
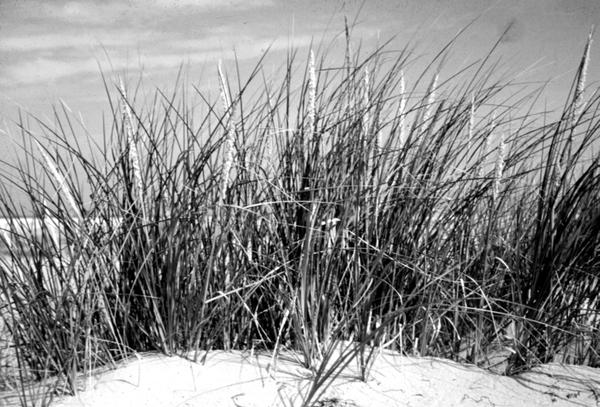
334 206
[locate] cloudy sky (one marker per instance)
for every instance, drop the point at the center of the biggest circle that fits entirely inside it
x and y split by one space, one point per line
56 49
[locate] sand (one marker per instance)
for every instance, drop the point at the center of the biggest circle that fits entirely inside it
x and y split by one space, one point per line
242 379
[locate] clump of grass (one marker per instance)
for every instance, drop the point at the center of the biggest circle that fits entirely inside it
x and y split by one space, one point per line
338 208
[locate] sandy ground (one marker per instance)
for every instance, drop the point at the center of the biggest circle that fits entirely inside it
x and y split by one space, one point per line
239 379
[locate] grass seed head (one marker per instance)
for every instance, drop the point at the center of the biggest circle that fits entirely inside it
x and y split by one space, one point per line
225 97
63 186
312 93
471 124
134 157
229 132
499 167
580 87
431 95
366 102
402 110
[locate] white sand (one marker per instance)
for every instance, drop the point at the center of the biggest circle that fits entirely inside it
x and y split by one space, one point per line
237 379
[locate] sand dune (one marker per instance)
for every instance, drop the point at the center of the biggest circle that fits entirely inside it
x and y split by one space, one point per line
239 379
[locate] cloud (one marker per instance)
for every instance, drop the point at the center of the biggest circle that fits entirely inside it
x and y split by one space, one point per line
87 12
106 12
43 69
50 51
42 42
579 6
210 4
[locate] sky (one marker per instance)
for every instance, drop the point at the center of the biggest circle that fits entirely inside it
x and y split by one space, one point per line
53 51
